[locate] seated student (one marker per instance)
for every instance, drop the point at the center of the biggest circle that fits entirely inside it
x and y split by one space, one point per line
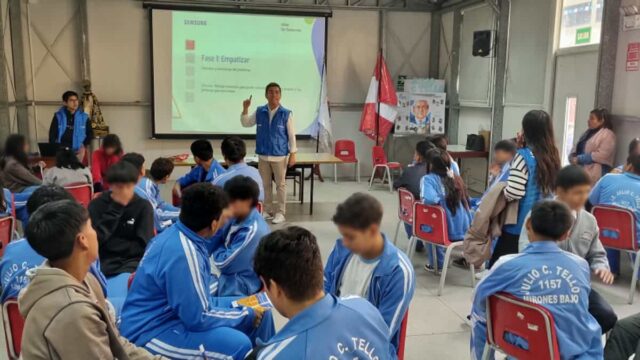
169 309
573 185
634 148
544 274
16 174
101 160
364 263
123 221
68 170
624 339
621 190
234 150
443 188
148 188
441 142
66 315
19 257
503 153
137 160
233 247
207 169
411 176
321 326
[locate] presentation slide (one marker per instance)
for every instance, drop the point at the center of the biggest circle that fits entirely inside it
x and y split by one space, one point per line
206 63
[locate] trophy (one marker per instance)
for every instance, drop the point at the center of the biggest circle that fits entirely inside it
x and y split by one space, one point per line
91 106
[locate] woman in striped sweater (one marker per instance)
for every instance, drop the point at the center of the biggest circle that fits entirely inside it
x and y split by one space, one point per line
531 177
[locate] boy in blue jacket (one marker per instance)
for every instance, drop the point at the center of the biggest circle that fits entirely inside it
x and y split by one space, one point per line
169 309
164 214
234 151
235 244
321 326
546 275
207 168
364 263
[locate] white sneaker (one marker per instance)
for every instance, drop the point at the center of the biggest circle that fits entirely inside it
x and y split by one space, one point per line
279 218
267 216
480 275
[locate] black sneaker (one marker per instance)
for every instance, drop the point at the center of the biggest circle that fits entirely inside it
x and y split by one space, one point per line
429 268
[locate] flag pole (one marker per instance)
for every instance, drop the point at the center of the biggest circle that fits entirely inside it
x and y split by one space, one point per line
322 79
379 64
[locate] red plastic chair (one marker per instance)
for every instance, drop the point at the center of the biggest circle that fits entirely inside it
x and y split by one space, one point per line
532 322
130 280
6 232
13 324
430 226
618 231
260 207
345 150
83 193
380 162
406 201
403 336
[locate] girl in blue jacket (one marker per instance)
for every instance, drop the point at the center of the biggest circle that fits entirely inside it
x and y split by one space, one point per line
443 188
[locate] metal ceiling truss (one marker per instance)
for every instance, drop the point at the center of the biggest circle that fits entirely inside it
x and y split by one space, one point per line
293 5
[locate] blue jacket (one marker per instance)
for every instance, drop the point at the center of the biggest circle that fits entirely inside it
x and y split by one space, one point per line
8 203
332 328
199 174
18 258
532 195
171 289
432 192
164 214
272 137
81 121
244 170
392 284
621 190
546 275
232 250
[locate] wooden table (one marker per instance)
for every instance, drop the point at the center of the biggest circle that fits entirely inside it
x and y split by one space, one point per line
459 152
303 161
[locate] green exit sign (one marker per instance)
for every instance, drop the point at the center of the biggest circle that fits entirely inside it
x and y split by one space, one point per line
583 35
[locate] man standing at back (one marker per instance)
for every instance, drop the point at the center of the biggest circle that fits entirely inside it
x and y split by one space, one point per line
275 145
70 125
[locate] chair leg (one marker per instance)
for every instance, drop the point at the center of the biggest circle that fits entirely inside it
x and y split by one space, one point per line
486 352
434 258
411 246
634 278
335 173
373 173
390 180
472 268
395 238
445 267
357 171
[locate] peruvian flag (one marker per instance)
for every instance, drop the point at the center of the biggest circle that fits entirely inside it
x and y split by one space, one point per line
381 97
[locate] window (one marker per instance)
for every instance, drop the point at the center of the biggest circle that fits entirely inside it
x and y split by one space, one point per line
571 107
581 22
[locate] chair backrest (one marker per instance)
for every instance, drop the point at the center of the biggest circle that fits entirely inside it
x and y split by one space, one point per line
6 231
617 227
345 150
405 205
533 323
430 224
403 336
378 155
13 324
83 193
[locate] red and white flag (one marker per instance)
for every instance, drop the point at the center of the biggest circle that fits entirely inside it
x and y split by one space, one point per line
382 85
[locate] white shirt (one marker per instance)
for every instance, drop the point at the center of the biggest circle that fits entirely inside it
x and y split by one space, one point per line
356 276
250 120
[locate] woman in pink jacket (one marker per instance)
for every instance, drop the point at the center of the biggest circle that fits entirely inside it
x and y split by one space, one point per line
595 150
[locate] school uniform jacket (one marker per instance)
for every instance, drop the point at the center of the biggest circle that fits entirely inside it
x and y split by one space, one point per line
332 328
546 275
164 214
621 190
241 169
199 174
171 290
392 284
232 250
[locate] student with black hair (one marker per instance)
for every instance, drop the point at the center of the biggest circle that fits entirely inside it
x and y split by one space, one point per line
546 275
169 309
234 150
573 185
68 170
596 148
123 221
207 168
634 148
364 263
440 141
148 188
15 170
101 160
503 153
66 314
70 126
137 160
321 326
233 247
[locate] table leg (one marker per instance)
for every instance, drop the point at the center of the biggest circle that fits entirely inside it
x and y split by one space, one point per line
311 195
302 186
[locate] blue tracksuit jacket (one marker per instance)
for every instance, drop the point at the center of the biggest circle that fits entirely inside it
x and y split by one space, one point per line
546 275
164 214
199 174
244 170
621 190
332 328
432 192
171 290
392 284
232 250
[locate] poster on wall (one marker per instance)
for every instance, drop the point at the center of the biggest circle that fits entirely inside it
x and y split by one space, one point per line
633 56
420 114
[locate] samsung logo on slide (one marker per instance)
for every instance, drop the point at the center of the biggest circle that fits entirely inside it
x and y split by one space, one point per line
196 22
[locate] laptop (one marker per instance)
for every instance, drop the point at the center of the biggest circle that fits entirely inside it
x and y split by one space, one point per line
48 149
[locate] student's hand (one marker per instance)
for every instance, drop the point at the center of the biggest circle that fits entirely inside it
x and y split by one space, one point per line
616 171
292 160
494 169
605 275
259 315
246 104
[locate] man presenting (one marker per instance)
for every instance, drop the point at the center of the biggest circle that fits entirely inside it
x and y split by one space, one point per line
70 126
275 145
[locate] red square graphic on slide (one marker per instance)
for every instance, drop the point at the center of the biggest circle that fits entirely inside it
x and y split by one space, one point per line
190 44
